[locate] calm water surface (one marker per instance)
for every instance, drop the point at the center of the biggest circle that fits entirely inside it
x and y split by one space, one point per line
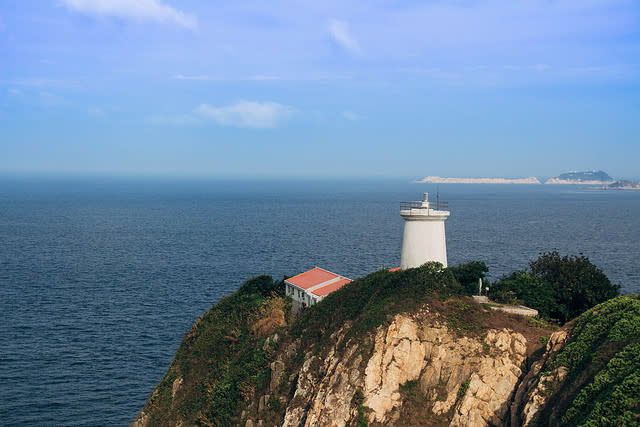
100 279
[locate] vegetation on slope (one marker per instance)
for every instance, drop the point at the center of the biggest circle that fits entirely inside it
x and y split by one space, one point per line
585 176
222 359
223 362
468 274
222 366
559 287
369 301
602 386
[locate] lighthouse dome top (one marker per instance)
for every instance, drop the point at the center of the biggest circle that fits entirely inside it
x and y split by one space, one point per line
425 208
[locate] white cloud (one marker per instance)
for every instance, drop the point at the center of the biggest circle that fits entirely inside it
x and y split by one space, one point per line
246 114
258 77
537 67
96 112
41 82
178 120
350 115
262 78
339 32
49 99
181 77
153 10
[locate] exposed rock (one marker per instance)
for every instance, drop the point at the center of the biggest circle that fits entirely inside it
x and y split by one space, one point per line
324 395
141 421
411 349
277 370
398 357
332 404
532 393
176 386
493 382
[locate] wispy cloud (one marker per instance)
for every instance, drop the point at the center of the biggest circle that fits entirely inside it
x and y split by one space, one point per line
182 77
96 111
177 120
211 78
262 78
153 10
48 99
246 114
339 32
41 82
310 76
350 115
536 67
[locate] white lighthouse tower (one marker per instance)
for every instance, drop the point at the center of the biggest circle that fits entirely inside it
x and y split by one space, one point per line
424 239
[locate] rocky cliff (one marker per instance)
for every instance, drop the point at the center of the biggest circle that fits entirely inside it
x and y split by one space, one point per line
436 374
393 349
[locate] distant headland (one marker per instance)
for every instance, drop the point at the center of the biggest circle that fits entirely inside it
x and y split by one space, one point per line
598 178
441 180
589 177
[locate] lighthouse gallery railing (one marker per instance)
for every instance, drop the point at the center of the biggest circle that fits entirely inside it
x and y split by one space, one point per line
437 205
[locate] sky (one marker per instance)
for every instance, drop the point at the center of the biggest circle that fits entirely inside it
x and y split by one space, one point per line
486 88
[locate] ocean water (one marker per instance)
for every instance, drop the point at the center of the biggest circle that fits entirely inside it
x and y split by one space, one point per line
100 279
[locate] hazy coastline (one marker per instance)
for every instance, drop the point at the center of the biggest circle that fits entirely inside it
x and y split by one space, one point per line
443 180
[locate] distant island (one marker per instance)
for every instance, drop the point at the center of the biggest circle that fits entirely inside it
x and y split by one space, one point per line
598 178
624 184
586 178
441 180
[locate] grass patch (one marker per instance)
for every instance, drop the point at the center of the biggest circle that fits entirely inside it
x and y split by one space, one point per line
463 389
603 358
370 301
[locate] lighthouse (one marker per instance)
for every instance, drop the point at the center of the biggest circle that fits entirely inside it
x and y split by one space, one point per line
424 238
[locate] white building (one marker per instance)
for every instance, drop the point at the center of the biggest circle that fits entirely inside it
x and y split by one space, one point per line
312 286
424 237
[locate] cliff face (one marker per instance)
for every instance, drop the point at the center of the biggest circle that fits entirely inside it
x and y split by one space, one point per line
419 359
589 373
464 380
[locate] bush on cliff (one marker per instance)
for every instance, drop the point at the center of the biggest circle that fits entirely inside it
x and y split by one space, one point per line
468 274
602 358
521 287
559 287
370 300
223 359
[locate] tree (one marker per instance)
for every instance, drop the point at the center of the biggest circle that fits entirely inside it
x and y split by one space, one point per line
521 287
468 274
577 283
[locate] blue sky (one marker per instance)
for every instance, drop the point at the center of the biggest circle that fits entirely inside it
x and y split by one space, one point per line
332 88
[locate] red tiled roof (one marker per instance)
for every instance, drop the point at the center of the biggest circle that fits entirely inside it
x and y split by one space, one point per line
311 278
326 290
394 269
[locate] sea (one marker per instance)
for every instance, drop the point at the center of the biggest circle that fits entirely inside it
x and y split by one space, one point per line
100 278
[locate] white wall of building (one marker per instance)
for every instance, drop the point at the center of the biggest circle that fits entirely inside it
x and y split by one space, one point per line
301 296
423 240
424 236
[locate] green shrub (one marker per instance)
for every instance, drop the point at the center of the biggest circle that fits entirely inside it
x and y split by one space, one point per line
369 301
559 287
521 287
577 283
221 361
468 274
604 355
